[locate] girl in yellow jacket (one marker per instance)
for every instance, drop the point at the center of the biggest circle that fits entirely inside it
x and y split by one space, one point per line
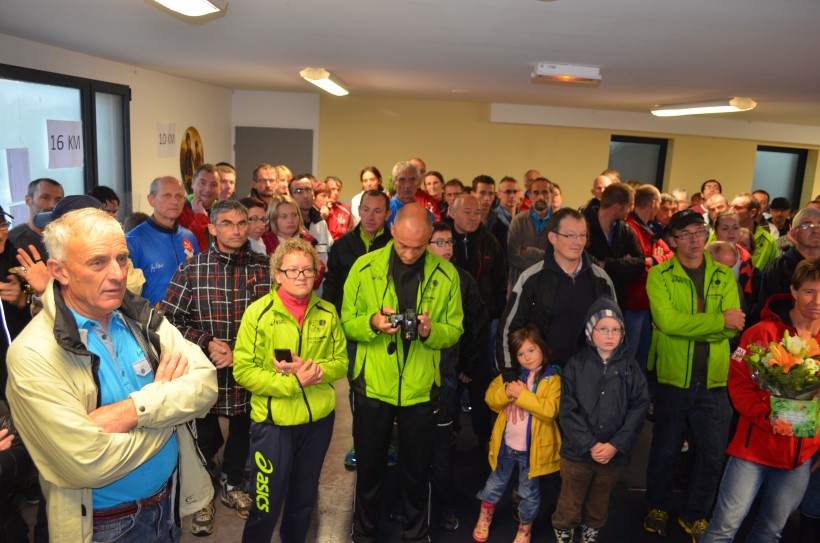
525 433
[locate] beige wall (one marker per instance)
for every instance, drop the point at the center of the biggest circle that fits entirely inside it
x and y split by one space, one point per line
458 139
156 97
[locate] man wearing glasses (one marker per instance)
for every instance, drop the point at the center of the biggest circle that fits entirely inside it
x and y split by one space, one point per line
301 190
695 307
805 234
206 300
556 293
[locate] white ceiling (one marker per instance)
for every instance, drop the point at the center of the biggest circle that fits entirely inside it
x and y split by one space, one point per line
649 51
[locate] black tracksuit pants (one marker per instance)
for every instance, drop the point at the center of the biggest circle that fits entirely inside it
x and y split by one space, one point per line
287 461
372 428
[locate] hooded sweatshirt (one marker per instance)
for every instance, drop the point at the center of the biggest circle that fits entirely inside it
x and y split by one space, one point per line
602 401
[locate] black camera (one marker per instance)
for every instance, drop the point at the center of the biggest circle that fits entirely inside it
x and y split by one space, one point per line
407 321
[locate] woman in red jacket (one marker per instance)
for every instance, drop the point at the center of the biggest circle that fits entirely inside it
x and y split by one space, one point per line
760 458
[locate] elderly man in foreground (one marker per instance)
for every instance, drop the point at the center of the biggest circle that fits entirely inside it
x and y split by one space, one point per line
101 387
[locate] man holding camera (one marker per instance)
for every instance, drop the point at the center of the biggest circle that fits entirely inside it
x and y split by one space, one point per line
402 305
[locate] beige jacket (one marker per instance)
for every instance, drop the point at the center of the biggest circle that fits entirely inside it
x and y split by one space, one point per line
52 387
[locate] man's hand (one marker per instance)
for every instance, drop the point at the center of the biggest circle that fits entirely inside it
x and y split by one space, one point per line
116 418
463 378
658 252
309 373
220 353
197 206
379 322
36 271
170 367
5 439
603 452
734 319
425 324
12 292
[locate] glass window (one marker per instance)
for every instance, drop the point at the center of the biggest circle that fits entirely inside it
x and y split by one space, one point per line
641 159
779 171
29 100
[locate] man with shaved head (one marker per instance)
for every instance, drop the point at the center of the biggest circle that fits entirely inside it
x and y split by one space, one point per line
396 372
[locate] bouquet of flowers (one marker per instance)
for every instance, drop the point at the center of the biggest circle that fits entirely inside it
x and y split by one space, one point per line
790 372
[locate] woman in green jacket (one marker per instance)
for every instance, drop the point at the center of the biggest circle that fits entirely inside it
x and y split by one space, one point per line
289 350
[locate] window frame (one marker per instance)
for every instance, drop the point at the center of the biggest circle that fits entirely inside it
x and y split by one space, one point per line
88 88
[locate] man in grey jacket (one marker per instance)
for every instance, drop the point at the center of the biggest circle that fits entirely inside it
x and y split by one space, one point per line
527 236
101 387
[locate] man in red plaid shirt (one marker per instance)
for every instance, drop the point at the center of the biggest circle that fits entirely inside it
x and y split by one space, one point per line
206 300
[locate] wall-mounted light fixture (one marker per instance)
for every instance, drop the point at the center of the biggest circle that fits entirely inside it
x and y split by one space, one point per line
566 74
322 79
726 105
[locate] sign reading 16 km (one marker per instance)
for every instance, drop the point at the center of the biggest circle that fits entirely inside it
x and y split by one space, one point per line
65 144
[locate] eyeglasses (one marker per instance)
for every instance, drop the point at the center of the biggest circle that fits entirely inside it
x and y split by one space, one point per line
228 224
509 192
806 226
443 242
306 190
609 331
293 273
686 236
254 220
573 237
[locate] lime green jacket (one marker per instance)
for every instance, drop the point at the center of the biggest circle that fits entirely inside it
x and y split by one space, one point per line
381 370
278 398
765 248
673 301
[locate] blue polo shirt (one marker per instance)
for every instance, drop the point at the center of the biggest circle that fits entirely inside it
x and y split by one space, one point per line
123 370
395 206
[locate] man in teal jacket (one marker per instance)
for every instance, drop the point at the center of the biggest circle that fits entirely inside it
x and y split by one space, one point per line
396 377
695 307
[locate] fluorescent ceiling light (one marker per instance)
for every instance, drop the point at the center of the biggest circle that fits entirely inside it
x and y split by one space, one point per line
192 8
544 72
727 105
321 78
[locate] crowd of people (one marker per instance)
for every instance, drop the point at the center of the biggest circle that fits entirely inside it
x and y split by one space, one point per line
560 329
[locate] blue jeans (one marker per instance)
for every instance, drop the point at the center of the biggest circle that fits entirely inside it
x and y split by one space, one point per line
811 501
638 335
153 524
527 488
708 413
782 490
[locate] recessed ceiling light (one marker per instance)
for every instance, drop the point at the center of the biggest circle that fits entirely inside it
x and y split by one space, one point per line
726 105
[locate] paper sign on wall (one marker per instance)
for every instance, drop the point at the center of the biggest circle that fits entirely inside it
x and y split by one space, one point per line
166 139
65 144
